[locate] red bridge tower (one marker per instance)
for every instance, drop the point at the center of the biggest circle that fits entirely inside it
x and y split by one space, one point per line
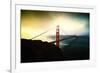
57 36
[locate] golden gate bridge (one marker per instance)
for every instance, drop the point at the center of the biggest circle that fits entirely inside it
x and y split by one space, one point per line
57 41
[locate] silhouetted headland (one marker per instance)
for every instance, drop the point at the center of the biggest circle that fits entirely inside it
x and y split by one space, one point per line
39 51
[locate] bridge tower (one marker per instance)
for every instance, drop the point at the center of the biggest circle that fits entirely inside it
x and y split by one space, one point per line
57 36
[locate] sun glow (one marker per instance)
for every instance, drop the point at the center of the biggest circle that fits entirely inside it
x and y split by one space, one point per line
70 26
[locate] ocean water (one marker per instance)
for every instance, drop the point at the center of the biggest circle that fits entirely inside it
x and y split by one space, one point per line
76 48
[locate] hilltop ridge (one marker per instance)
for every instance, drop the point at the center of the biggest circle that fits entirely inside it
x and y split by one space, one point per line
37 51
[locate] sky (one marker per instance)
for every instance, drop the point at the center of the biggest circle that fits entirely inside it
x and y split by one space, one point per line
33 23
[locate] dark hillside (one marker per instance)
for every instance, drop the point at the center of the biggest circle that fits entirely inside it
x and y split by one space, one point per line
37 51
